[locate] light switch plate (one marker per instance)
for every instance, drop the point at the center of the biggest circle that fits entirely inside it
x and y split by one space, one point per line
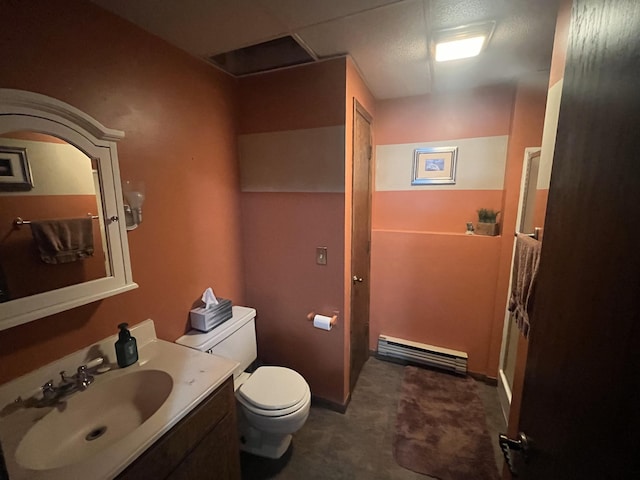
321 255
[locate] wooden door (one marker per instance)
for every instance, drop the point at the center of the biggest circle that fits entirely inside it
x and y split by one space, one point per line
360 241
581 401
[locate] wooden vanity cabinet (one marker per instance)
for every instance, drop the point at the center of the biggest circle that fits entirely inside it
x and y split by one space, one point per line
203 445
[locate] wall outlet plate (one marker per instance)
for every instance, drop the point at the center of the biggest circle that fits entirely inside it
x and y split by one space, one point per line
321 255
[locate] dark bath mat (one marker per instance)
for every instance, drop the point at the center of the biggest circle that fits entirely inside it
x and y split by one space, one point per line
441 429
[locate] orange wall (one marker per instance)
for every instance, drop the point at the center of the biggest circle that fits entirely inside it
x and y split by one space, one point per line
178 115
431 210
283 228
283 282
482 112
435 288
293 98
430 282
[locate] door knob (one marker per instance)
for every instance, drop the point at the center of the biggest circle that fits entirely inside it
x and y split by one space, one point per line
357 279
520 445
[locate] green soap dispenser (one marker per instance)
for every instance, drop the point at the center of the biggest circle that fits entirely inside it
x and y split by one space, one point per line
126 347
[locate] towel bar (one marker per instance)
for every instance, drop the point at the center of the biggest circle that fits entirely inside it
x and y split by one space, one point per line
20 221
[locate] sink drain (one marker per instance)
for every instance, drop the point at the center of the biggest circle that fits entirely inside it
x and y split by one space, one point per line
95 433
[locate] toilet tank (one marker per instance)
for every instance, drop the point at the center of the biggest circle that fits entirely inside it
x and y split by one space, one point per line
234 339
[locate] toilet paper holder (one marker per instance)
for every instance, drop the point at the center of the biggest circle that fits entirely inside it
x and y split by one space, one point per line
334 317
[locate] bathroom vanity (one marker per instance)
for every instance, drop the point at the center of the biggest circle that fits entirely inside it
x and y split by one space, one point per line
171 415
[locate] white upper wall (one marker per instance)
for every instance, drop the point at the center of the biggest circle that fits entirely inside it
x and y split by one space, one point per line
480 166
306 160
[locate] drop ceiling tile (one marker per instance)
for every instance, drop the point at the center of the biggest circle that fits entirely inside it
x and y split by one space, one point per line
202 28
302 13
454 13
388 44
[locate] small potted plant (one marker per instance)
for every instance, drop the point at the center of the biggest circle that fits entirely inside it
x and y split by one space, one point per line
487 222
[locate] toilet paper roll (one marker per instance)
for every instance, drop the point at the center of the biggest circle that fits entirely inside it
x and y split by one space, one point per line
322 322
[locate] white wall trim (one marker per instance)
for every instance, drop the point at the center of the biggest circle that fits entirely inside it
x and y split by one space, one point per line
20 101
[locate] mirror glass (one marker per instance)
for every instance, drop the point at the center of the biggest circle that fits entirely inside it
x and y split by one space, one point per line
62 182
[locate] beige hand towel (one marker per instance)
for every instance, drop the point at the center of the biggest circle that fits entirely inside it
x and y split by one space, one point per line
63 240
525 272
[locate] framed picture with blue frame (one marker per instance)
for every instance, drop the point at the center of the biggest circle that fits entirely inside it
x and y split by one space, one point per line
434 166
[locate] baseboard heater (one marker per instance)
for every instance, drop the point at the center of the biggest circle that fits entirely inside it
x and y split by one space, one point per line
422 354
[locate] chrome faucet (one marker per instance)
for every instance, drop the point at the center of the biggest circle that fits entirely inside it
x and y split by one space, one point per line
79 382
83 379
49 391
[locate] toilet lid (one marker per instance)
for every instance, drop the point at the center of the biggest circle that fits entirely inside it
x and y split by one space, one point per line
274 388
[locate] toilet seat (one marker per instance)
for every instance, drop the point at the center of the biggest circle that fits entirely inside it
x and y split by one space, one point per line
274 392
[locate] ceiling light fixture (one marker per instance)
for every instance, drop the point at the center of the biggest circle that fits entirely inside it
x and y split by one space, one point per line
461 42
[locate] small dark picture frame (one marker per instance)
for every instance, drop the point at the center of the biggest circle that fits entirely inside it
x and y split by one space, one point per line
15 173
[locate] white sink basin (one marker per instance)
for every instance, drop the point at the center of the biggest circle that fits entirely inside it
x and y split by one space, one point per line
94 419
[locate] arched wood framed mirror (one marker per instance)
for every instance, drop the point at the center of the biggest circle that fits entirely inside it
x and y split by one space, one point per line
57 163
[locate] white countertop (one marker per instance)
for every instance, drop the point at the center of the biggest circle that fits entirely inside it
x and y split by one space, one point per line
195 375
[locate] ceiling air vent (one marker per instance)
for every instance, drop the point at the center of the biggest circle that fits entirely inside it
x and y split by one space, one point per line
277 53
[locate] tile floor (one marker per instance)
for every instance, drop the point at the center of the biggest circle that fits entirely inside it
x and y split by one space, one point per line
356 445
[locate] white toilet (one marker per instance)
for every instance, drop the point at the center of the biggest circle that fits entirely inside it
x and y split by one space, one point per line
273 401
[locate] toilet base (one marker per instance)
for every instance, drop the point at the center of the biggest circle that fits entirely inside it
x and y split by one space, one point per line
262 444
